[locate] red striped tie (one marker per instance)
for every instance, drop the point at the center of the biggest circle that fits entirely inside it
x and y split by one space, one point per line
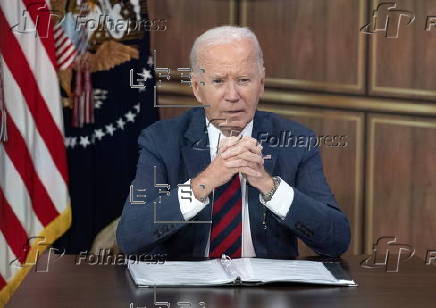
225 236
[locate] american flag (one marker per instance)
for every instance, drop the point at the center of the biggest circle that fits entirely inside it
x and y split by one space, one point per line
34 199
70 41
65 50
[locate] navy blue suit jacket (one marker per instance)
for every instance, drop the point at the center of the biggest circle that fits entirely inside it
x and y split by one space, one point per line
178 148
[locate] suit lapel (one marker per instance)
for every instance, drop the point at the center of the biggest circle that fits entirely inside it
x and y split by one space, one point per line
256 210
195 151
196 157
261 124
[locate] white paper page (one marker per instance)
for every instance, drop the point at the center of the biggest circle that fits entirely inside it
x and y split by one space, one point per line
177 273
269 270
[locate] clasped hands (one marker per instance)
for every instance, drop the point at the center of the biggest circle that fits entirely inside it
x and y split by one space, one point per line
235 154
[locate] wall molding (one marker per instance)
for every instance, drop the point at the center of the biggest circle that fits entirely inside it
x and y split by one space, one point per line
389 90
373 121
359 87
336 101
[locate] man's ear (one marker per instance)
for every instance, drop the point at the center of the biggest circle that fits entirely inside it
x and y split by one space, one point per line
195 87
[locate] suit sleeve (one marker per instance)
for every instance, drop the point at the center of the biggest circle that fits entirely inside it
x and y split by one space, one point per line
143 226
314 215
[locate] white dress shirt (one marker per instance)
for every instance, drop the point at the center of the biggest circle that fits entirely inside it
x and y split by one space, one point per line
279 204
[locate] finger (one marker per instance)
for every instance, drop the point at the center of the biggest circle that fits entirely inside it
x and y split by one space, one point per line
250 171
253 148
251 144
227 143
228 140
235 163
254 166
232 151
239 148
251 157
249 139
242 163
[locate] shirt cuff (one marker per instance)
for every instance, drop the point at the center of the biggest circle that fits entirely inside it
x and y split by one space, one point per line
189 205
281 201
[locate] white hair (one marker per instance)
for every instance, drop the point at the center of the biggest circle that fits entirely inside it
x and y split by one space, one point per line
223 35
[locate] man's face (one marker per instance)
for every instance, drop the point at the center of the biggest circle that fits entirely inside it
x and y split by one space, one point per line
233 83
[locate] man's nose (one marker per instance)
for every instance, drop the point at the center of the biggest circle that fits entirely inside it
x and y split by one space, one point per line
232 94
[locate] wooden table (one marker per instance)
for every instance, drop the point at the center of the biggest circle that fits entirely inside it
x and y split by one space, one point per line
66 284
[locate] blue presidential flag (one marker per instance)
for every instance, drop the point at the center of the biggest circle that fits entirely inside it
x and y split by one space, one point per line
104 114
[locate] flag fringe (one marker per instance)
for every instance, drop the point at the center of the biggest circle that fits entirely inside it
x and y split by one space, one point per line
54 230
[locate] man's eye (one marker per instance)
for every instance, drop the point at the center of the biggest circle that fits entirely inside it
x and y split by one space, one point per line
217 81
244 80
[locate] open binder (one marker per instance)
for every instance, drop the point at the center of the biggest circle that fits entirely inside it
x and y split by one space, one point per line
243 271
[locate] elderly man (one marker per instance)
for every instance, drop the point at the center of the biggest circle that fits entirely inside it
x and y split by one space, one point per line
211 188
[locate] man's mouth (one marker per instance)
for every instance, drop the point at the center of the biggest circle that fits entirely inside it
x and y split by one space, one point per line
235 111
